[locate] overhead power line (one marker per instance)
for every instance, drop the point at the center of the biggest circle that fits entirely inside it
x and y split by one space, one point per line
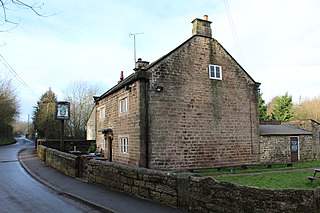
233 29
16 76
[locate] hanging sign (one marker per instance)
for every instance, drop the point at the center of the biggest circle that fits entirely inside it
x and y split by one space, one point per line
63 111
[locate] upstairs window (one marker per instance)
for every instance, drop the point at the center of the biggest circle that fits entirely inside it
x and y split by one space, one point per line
215 72
102 112
123 105
124 145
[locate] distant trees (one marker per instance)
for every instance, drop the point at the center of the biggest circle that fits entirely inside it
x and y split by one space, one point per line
279 109
282 110
307 109
8 109
44 120
21 127
80 95
263 115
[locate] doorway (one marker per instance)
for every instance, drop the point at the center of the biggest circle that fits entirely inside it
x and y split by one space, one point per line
108 136
109 141
294 148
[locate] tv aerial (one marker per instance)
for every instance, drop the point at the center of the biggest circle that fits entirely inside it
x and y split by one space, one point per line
134 44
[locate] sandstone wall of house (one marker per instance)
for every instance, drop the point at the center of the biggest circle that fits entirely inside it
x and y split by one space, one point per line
186 192
91 125
126 125
198 122
276 149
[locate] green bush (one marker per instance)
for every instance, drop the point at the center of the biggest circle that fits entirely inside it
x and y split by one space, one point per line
92 149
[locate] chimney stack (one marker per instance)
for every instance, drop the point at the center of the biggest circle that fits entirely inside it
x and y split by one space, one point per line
202 27
141 64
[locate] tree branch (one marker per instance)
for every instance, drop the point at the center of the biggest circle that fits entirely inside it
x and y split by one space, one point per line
35 8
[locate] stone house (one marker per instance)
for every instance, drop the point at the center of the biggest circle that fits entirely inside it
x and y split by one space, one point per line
195 107
289 142
91 125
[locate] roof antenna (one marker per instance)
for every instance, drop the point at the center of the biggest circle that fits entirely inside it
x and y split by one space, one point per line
134 44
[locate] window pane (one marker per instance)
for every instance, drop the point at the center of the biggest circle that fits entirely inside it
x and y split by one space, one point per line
211 71
123 105
124 145
218 72
121 147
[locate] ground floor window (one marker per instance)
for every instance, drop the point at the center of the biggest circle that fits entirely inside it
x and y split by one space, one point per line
124 145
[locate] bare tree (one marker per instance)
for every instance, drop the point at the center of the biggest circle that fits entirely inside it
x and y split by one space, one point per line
11 6
308 109
80 95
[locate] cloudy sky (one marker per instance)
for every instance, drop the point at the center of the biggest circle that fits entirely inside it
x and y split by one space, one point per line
276 42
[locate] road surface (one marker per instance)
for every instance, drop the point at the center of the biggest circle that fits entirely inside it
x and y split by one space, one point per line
19 192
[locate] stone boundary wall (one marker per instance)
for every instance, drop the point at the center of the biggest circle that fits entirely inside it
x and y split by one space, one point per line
64 162
154 185
209 195
69 145
41 151
183 191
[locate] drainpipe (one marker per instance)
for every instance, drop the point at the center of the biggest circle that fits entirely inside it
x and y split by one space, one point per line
146 98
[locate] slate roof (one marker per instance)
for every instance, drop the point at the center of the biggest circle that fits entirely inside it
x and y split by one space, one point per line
131 78
282 129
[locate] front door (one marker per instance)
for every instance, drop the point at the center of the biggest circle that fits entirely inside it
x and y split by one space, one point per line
109 148
294 147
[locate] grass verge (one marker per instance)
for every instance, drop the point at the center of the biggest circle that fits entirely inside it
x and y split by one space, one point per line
278 176
6 141
277 180
257 168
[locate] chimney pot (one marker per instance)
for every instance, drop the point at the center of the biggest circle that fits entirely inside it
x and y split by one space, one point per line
121 76
205 17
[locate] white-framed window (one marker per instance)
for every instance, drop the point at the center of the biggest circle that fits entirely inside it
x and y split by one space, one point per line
124 145
215 72
102 112
123 105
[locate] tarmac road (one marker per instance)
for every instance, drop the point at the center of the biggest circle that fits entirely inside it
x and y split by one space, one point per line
48 190
19 192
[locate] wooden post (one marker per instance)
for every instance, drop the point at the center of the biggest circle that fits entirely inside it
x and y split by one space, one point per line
62 136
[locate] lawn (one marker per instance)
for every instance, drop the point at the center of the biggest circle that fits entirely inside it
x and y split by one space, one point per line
278 180
276 177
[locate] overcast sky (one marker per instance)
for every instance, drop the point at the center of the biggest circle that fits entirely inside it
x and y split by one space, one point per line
276 42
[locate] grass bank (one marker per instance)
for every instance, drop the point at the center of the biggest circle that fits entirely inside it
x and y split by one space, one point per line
274 177
277 180
6 141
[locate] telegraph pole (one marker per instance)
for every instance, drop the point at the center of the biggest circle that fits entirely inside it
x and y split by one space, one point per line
28 134
134 44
